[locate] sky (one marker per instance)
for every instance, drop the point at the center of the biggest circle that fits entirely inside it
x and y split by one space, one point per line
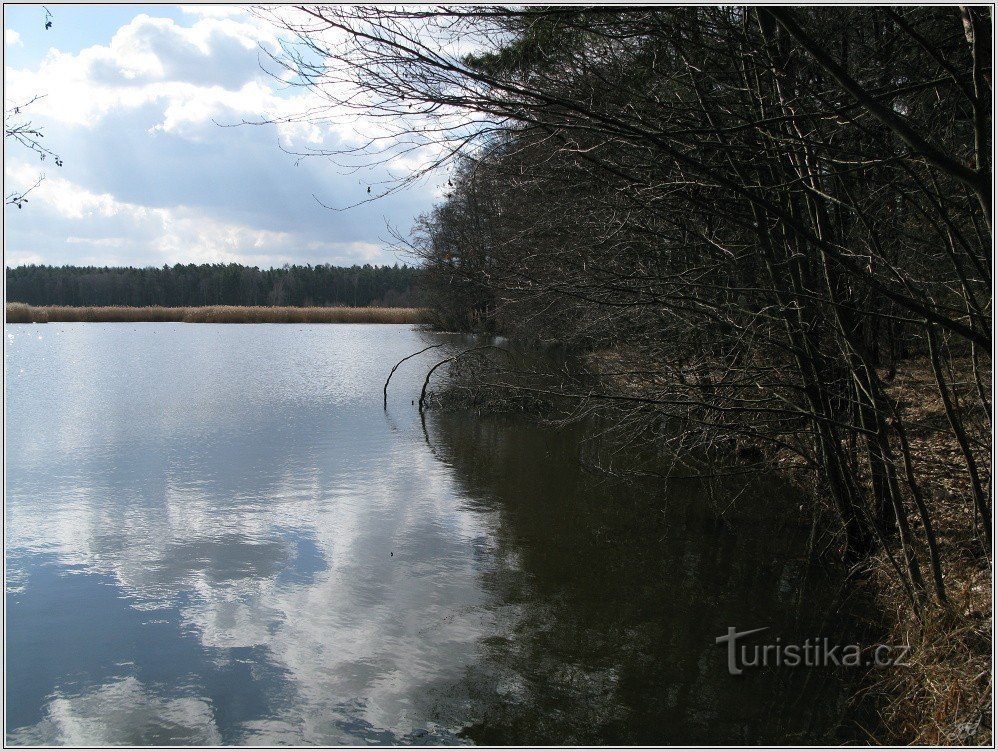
143 105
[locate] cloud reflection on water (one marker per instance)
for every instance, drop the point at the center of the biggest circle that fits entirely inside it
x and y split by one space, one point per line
209 511
216 529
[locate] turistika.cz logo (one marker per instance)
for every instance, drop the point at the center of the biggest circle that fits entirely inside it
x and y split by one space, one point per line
817 651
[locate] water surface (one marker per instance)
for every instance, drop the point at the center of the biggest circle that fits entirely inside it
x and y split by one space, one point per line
216 535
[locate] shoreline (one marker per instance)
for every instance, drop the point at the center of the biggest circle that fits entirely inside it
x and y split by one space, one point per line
940 694
22 313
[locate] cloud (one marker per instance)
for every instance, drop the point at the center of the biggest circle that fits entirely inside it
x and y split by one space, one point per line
213 11
97 228
11 38
154 60
151 174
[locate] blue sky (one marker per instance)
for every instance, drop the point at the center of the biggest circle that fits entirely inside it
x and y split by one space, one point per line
133 98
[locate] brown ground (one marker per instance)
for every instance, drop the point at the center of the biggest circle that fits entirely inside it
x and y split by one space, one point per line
943 695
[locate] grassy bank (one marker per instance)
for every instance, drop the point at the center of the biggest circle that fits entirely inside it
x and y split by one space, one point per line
942 695
20 313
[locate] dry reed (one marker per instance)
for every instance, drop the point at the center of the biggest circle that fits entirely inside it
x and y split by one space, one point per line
20 313
941 693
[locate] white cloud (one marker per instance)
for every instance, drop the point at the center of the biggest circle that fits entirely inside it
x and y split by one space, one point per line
66 199
20 258
136 121
11 38
99 226
206 67
213 11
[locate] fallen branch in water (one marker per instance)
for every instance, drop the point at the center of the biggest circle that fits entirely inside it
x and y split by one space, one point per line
395 368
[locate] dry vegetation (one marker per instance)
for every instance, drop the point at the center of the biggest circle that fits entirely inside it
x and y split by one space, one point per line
20 313
943 694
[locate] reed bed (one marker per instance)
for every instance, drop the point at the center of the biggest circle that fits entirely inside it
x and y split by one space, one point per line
21 313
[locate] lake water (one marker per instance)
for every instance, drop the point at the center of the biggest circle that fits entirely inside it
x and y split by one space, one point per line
216 535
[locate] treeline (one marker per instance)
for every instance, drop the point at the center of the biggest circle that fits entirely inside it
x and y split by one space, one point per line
214 284
749 219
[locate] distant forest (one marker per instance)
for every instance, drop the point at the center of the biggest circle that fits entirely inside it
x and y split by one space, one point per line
213 284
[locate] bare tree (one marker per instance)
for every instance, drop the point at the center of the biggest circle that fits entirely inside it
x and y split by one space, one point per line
745 220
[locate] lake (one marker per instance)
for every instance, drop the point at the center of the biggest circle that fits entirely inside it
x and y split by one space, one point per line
216 535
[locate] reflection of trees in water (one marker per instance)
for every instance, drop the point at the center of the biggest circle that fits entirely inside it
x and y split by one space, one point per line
609 597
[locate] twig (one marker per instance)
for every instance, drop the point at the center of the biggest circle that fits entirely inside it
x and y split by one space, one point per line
395 367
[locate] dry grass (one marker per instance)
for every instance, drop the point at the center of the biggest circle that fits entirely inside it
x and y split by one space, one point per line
942 696
20 313
942 693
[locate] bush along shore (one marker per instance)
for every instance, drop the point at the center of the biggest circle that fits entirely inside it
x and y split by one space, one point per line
766 234
21 313
940 693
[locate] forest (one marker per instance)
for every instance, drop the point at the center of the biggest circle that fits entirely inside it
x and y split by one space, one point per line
189 285
765 232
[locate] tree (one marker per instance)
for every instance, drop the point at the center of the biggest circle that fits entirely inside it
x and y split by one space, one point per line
213 284
760 211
